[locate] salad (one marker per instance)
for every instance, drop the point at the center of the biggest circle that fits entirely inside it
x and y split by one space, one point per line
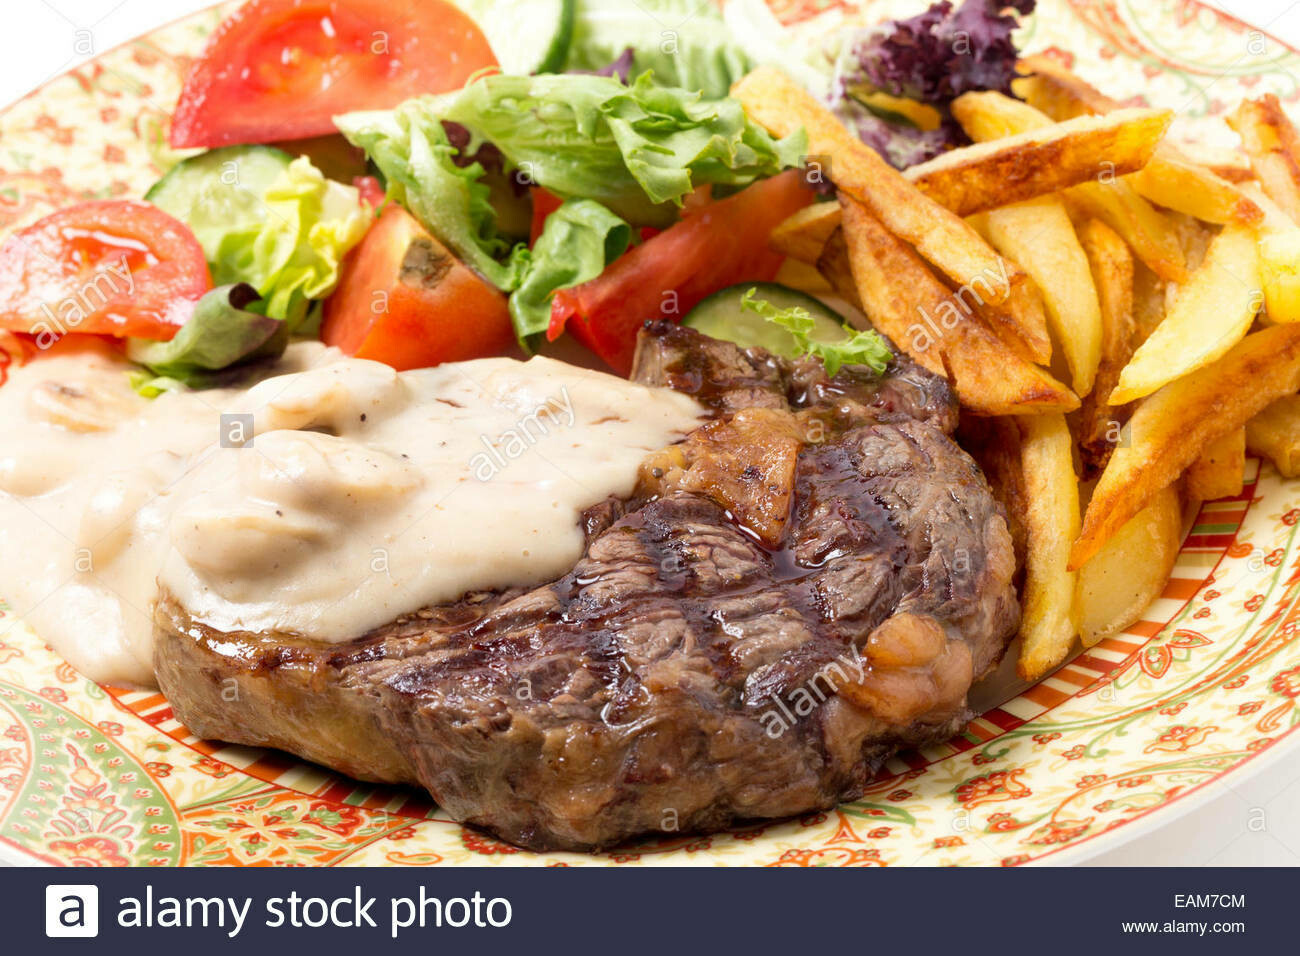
460 180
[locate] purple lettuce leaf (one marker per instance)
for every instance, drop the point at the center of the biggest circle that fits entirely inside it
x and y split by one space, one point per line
940 54
900 145
933 57
620 67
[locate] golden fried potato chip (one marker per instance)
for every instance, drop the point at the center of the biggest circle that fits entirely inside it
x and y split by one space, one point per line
1170 429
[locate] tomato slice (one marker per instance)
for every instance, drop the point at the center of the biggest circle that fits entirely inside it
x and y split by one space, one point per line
14 351
545 202
372 194
110 267
405 300
717 245
280 69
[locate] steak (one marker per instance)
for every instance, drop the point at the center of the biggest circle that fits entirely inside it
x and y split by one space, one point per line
808 583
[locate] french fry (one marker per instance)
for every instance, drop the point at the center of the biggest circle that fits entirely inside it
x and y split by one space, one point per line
1020 324
804 235
994 443
1056 91
1171 178
1049 620
1279 272
1275 217
1231 167
1209 316
1151 235
989 116
1170 429
1040 161
777 103
992 381
1176 183
804 277
1275 434
975 178
860 275
833 264
1273 146
1218 473
1279 259
1010 329
1150 297
1131 569
1039 236
1111 264
907 302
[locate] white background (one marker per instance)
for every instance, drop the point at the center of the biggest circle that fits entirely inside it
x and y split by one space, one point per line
1256 822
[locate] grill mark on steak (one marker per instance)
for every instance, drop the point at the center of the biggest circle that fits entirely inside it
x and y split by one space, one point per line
682 676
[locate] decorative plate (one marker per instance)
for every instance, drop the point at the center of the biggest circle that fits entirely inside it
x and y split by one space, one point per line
1127 734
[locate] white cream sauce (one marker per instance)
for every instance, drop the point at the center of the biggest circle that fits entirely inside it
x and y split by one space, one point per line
352 495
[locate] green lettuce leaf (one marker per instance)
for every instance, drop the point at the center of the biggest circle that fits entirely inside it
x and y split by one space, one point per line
410 147
277 224
684 42
220 338
592 137
638 151
579 240
310 222
857 348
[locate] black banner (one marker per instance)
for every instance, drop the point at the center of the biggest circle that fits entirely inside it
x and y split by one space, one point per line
650 910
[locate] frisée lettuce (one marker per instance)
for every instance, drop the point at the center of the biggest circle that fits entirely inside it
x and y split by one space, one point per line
856 348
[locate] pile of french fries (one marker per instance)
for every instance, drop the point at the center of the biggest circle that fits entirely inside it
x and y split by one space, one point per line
1120 321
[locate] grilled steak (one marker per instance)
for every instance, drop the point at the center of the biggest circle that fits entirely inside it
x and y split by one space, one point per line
807 584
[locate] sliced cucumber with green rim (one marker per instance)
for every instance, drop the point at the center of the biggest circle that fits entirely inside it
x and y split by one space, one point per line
219 193
527 36
722 316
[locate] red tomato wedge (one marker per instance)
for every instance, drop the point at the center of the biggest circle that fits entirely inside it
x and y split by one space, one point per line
404 300
545 202
110 267
717 245
280 69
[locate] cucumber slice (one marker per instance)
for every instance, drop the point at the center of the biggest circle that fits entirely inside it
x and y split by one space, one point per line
527 36
219 193
721 316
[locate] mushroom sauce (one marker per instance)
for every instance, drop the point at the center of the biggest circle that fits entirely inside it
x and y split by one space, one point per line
322 501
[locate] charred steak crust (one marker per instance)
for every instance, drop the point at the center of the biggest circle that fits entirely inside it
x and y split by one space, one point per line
682 676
